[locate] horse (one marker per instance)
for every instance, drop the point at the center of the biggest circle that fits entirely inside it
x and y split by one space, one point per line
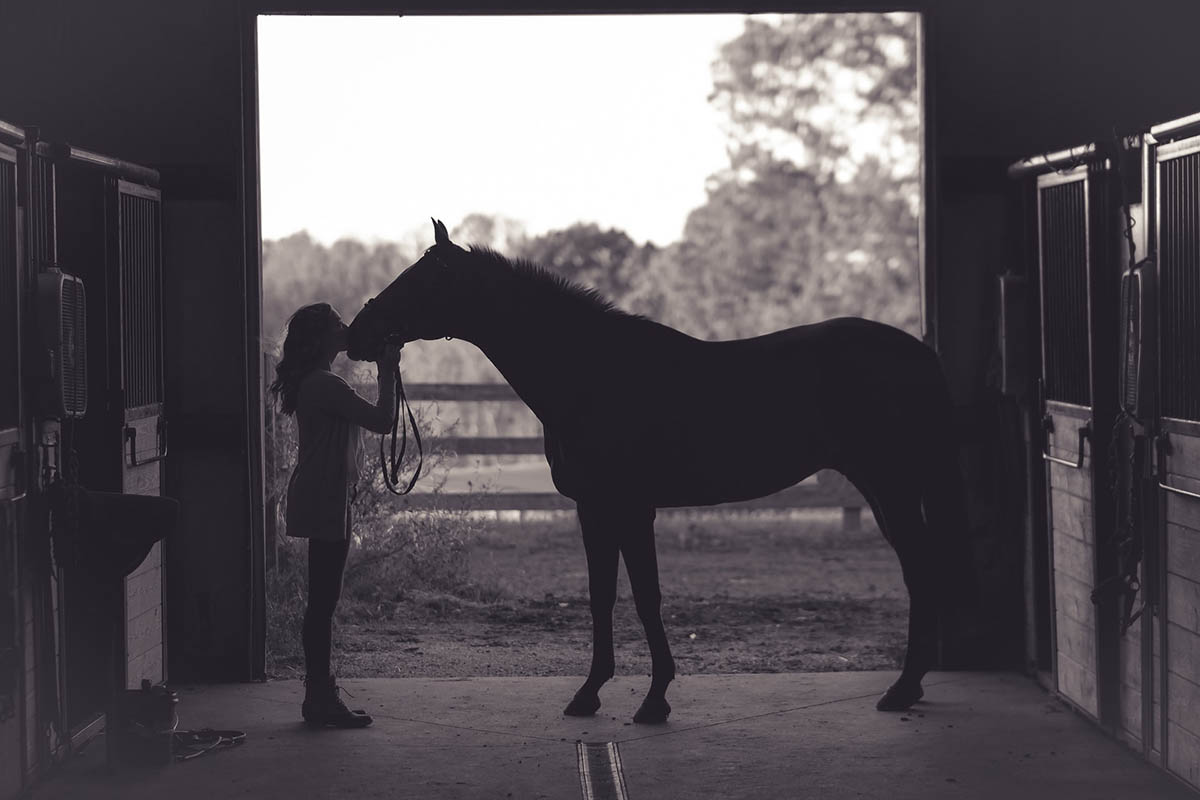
638 416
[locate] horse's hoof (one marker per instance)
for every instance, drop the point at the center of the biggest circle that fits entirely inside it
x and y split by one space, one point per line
653 712
899 697
582 705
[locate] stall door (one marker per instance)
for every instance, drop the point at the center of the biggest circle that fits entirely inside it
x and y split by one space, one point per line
138 251
12 478
11 468
1073 278
1177 231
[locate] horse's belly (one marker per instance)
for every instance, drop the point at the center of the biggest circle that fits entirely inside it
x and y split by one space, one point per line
697 454
674 495
728 472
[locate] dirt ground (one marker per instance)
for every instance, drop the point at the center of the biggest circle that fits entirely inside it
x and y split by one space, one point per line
738 596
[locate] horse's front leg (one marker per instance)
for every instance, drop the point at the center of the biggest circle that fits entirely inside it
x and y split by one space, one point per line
599 540
641 562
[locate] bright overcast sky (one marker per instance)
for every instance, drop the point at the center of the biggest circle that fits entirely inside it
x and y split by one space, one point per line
371 125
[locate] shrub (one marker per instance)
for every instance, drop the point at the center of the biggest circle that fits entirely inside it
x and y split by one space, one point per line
391 554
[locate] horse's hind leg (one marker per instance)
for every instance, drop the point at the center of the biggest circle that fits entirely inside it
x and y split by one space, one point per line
641 562
600 542
904 526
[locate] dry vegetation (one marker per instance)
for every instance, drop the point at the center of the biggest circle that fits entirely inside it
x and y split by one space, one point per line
441 595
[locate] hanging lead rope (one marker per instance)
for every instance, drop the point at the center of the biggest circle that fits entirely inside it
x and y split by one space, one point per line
1127 535
390 478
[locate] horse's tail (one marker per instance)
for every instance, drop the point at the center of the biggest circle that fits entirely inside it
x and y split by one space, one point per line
944 499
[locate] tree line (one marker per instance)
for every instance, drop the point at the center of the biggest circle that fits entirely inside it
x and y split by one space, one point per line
808 221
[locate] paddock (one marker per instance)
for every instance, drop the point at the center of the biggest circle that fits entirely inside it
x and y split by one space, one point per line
1059 254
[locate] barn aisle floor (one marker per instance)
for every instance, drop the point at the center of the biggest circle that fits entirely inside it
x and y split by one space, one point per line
976 735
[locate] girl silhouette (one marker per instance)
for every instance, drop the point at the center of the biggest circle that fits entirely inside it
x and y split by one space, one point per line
329 415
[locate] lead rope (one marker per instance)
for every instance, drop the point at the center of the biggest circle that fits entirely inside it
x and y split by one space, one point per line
1127 535
391 479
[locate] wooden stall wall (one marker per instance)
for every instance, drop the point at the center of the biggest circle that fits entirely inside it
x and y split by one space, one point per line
1086 198
1176 230
1073 273
137 247
1132 721
1072 534
1182 685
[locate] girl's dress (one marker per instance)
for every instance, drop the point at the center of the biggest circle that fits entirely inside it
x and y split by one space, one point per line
329 417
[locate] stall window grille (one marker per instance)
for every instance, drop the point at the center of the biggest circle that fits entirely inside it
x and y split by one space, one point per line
141 324
42 226
9 400
73 356
1064 252
1131 336
1179 273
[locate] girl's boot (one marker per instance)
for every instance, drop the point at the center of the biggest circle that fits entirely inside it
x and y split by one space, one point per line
323 706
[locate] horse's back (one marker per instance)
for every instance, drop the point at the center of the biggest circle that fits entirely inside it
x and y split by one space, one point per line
884 398
696 422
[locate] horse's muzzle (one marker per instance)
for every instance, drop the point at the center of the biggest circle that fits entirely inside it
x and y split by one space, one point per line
374 350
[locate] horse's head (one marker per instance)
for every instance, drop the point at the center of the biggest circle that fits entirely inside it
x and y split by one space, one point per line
419 304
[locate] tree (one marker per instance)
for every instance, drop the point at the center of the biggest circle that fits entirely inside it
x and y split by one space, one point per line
805 224
804 87
298 270
606 260
502 234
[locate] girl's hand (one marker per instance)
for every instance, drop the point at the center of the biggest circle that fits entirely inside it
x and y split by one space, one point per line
390 360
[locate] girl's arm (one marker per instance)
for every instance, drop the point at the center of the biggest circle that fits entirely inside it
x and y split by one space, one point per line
335 396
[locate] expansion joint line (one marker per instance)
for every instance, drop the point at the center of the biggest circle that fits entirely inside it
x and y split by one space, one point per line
601 776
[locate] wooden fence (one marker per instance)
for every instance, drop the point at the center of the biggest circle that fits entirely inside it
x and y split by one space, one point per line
829 490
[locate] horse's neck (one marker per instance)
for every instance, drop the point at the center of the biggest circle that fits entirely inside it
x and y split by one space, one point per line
541 361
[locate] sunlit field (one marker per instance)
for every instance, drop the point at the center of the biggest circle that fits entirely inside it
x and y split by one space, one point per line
739 595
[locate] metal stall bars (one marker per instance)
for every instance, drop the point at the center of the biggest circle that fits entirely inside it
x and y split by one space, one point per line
110 219
11 467
46 650
42 358
69 635
1076 398
13 473
1172 159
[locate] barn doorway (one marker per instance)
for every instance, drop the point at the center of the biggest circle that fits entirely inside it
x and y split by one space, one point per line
727 175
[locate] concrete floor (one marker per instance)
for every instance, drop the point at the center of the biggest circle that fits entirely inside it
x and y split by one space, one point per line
976 735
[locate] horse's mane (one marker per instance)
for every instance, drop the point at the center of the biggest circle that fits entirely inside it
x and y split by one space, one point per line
543 282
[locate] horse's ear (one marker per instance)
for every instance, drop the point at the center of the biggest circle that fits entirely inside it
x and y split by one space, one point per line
440 235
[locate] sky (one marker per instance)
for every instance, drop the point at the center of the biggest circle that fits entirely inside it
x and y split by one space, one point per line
369 126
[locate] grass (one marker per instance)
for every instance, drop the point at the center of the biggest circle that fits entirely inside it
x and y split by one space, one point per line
450 593
486 598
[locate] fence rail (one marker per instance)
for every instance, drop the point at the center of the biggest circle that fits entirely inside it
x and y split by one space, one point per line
830 490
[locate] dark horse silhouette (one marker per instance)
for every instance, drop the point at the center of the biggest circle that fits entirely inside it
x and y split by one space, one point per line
638 416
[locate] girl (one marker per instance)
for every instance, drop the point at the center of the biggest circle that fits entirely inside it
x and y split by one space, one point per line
328 414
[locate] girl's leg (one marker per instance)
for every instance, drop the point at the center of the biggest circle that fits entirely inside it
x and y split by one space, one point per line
323 706
326 563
